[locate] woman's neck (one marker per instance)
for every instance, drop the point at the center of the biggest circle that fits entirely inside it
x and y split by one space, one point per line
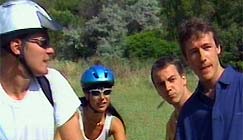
93 117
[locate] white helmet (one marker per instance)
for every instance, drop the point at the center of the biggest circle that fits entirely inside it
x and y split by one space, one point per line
24 14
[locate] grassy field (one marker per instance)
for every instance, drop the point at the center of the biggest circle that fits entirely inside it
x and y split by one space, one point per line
133 96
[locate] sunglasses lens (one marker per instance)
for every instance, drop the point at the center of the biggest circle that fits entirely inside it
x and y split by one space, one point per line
95 93
44 43
107 92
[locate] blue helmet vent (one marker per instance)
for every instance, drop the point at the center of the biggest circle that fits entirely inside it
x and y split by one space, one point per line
97 75
106 74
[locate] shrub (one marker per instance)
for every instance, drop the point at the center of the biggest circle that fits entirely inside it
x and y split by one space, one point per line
148 45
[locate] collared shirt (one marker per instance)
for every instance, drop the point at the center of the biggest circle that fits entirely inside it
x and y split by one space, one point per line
202 118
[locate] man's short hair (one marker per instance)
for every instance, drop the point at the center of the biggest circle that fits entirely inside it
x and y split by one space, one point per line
194 28
163 62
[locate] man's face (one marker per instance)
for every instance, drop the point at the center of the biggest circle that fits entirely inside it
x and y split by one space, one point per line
169 84
37 53
202 56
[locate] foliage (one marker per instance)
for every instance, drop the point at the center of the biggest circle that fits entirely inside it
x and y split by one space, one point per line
106 30
65 16
66 12
99 27
239 66
142 15
90 8
177 11
72 44
148 45
232 37
225 15
230 22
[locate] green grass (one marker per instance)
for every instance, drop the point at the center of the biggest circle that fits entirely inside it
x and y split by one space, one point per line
133 96
138 106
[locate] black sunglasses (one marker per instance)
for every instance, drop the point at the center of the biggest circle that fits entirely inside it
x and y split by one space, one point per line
98 92
43 43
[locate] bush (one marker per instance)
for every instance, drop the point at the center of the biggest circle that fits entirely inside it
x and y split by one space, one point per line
148 45
71 47
240 66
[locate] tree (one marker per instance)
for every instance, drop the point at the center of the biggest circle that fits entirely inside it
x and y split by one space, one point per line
176 11
116 20
106 30
225 15
143 15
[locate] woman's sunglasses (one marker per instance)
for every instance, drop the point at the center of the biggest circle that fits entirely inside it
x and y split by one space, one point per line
98 92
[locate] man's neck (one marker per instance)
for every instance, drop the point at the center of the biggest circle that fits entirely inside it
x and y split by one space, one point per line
209 86
211 83
184 98
210 93
14 83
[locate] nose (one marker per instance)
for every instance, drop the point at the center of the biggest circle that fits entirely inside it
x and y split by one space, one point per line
50 51
167 86
202 55
102 96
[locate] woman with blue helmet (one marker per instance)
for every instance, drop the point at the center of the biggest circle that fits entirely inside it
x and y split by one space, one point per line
100 118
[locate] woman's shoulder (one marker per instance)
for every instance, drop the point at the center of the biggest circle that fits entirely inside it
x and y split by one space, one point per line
117 128
116 123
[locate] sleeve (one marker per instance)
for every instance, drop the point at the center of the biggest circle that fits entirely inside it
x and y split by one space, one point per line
65 99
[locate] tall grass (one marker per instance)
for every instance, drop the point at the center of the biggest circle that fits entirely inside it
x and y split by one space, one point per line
133 96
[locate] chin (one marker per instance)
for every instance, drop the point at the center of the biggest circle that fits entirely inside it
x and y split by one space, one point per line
173 101
100 110
41 73
206 77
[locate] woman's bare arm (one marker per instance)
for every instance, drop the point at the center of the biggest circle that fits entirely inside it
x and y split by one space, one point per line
117 129
70 130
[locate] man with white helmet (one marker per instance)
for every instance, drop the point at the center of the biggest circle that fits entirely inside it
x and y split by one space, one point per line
25 112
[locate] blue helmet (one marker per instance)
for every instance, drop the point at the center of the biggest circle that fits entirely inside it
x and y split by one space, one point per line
97 75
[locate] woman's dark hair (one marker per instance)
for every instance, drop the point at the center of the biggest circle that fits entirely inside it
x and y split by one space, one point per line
111 109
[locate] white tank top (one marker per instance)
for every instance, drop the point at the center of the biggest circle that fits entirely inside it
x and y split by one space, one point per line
104 135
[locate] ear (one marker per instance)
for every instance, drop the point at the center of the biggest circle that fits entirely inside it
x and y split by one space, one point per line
16 46
184 79
218 49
